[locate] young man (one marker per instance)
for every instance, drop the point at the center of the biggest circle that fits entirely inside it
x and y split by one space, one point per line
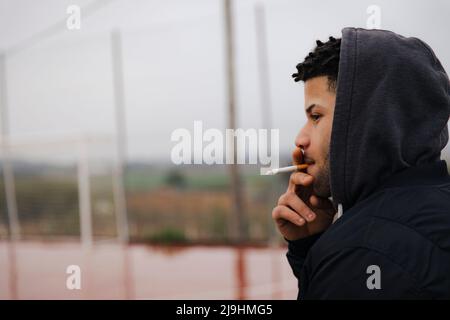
377 105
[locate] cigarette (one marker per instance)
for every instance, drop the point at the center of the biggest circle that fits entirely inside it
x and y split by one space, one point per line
287 169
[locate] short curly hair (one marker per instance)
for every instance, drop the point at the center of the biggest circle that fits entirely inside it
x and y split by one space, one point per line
323 61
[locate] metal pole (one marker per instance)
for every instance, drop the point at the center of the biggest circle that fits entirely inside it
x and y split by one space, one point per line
120 167
263 66
264 89
119 170
84 195
241 274
8 174
239 226
9 183
265 100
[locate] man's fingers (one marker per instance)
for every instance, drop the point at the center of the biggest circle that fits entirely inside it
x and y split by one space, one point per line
299 178
281 214
297 156
292 201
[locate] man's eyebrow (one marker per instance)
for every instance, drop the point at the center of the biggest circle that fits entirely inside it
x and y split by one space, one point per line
309 109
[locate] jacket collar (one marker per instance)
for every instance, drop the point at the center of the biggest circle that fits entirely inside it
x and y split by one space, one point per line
425 174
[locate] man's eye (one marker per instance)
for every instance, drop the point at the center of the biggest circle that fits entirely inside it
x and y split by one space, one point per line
315 117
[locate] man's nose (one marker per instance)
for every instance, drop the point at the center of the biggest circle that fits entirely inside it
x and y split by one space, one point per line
302 140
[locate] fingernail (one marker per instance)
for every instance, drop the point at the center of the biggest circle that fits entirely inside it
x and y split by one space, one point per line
311 216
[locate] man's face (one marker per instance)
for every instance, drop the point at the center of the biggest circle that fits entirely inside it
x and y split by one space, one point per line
314 137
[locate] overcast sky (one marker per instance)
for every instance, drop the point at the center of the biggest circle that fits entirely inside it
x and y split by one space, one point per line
174 71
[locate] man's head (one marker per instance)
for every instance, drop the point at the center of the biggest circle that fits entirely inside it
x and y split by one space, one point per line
319 71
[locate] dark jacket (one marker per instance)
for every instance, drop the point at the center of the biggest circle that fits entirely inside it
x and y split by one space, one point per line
387 178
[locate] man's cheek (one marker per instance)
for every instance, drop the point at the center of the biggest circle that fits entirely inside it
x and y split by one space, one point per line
312 170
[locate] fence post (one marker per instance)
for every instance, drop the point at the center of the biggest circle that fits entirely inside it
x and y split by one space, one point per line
84 194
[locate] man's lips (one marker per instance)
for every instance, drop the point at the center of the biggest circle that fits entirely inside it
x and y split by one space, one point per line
309 169
310 162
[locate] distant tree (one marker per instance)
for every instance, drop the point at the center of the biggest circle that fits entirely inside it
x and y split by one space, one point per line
175 179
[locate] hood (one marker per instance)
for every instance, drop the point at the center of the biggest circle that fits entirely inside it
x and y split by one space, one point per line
391 112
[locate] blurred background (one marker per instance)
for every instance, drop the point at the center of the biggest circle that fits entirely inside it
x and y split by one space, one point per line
86 122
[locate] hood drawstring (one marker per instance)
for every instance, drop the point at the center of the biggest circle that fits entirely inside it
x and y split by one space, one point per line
339 212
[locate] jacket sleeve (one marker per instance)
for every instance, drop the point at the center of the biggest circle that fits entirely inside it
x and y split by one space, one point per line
359 273
297 252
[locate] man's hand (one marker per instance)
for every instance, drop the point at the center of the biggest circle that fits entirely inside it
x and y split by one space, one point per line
299 212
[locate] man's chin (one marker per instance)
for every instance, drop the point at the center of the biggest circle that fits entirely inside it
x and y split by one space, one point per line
310 170
321 192
321 186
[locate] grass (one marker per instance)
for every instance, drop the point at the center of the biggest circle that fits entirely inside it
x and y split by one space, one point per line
166 236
